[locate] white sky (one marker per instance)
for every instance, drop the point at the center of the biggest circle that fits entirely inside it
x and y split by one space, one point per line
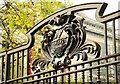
112 6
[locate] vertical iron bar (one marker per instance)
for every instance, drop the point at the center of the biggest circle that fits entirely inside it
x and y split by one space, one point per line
114 37
55 78
50 78
62 79
107 74
47 80
17 66
2 71
22 65
105 39
32 79
114 48
43 79
116 73
83 75
76 75
27 67
69 76
38 76
106 50
12 66
90 73
7 68
2 68
98 74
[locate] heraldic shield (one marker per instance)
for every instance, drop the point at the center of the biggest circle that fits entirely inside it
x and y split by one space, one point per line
63 44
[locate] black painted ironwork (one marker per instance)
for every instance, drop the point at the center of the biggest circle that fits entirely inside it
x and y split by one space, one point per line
60 47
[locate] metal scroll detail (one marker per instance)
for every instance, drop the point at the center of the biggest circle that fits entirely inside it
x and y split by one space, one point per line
61 45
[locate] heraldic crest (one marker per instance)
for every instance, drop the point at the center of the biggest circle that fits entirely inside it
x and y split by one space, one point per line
61 45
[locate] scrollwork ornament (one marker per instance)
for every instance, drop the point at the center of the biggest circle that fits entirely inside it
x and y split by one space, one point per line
63 44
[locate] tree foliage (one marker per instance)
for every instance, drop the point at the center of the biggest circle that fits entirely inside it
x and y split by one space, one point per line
17 18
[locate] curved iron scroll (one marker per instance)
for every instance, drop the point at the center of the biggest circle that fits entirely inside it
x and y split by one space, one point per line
99 6
63 44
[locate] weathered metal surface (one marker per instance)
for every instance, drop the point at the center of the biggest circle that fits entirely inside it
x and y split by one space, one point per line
60 46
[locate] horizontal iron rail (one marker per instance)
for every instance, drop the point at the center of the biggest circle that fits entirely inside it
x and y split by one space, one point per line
69 72
100 8
95 60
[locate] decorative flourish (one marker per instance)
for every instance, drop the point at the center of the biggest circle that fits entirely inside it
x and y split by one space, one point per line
61 45
39 64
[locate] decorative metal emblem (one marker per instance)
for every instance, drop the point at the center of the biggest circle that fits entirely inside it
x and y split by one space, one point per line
61 45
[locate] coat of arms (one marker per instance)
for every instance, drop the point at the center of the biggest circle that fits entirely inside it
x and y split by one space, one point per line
63 44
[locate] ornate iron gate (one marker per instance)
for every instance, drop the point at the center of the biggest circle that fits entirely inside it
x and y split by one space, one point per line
66 51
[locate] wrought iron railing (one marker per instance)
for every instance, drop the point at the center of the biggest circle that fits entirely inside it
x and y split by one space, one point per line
88 71
61 47
10 64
